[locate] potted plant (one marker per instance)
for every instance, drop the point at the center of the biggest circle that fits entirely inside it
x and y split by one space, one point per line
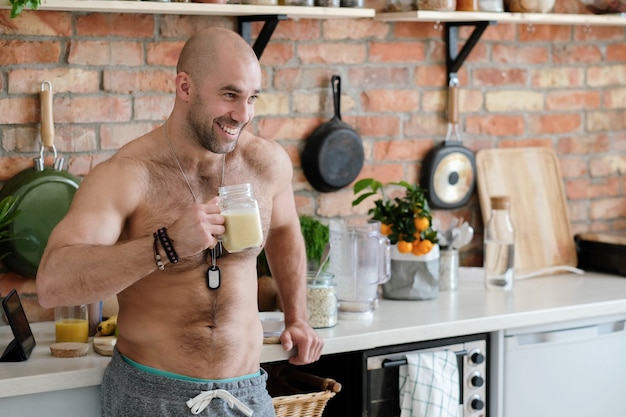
407 222
7 215
316 236
18 5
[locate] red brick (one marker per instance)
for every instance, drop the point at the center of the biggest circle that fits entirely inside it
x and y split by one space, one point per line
588 189
587 144
605 165
92 109
426 125
105 53
19 110
281 128
75 138
417 30
390 100
520 54
430 75
29 52
182 27
497 32
404 52
117 135
572 100
300 30
163 53
573 167
616 52
331 53
114 25
496 125
378 77
336 204
606 75
339 29
544 33
555 123
599 33
525 143
607 208
156 107
63 79
11 165
575 54
377 126
304 204
499 76
132 82
39 23
277 53
550 77
401 150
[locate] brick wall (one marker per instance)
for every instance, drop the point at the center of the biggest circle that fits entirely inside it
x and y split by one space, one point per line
562 87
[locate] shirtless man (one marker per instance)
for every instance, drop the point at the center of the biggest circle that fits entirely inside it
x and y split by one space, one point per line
178 339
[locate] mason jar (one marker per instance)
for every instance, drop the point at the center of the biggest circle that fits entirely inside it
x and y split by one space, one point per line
242 220
321 300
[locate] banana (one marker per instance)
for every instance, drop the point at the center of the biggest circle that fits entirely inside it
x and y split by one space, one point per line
107 327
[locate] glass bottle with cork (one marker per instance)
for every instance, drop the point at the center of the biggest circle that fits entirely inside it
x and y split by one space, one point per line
499 246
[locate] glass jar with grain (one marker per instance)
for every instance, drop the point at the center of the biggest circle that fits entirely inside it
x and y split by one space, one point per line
321 300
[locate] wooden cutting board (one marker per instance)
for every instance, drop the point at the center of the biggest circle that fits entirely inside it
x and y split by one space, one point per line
532 178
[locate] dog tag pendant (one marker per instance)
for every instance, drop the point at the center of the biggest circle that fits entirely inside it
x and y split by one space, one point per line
213 274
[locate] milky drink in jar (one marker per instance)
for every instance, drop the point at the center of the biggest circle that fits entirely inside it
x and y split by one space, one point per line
242 220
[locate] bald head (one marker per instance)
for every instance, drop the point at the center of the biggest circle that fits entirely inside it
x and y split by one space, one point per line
210 48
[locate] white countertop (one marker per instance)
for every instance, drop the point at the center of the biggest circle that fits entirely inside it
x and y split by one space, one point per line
468 310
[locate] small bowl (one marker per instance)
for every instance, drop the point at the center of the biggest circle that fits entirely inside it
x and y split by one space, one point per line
273 323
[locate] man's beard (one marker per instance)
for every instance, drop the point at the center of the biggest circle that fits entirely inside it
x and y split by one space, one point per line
205 132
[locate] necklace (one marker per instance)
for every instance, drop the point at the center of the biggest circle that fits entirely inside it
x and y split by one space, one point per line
213 274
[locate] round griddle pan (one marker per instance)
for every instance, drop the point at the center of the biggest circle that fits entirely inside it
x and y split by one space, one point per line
449 169
42 198
333 154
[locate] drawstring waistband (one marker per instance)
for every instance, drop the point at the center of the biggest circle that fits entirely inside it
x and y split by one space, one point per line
202 401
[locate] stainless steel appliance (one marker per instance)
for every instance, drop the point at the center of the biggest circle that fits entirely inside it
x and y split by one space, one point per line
573 369
382 391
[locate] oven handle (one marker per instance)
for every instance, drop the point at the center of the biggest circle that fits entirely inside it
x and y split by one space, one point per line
393 363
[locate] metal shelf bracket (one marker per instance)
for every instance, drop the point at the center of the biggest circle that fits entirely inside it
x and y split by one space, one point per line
454 57
245 30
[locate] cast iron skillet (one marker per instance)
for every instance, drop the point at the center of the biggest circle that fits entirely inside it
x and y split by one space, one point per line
43 196
333 154
449 169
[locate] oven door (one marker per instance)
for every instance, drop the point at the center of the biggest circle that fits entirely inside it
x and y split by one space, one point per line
381 382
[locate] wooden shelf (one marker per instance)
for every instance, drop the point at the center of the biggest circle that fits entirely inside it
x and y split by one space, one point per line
158 7
518 18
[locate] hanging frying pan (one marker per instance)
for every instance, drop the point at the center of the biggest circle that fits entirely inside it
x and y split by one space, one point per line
333 154
449 169
42 196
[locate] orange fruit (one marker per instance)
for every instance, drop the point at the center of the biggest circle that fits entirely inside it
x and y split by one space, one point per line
385 229
422 248
404 246
417 239
422 223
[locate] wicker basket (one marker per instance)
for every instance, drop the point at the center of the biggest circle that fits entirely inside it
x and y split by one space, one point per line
293 385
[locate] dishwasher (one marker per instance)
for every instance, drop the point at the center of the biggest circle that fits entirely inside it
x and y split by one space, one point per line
573 369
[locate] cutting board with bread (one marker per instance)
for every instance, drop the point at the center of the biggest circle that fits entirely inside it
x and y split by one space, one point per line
539 211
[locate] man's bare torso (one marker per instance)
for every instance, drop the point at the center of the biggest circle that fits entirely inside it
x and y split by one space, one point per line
170 320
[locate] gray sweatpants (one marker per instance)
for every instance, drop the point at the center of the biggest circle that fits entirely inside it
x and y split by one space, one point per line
130 392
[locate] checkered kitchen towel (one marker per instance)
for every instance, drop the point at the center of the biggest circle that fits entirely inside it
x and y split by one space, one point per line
429 385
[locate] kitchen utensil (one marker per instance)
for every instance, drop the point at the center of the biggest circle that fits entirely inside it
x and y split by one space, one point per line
449 169
43 197
333 154
532 178
360 260
324 259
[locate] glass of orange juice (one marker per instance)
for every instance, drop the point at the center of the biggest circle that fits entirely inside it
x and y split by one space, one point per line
71 324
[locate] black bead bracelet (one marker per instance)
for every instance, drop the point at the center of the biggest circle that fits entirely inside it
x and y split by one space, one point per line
167 245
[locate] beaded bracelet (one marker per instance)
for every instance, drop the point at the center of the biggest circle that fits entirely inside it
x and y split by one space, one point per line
157 257
167 245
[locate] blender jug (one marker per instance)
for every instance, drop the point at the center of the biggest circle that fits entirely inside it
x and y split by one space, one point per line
360 260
